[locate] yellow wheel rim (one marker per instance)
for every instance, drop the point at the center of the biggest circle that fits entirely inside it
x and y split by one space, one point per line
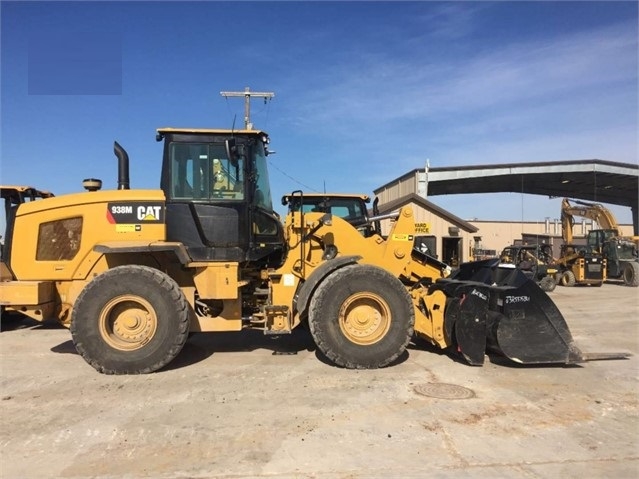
128 322
364 318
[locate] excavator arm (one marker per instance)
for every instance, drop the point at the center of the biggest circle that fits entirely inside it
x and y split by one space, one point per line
593 211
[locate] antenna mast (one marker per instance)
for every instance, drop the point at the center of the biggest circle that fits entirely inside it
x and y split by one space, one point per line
247 94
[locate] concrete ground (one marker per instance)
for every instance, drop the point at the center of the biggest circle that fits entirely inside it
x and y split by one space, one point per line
228 407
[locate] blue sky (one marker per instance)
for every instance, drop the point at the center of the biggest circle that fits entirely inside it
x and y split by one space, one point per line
365 91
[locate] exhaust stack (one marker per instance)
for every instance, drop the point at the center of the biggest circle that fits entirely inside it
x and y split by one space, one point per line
123 166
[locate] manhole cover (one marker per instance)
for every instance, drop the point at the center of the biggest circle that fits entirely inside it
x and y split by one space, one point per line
444 391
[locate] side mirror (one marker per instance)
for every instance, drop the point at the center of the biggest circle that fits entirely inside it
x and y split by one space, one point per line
231 150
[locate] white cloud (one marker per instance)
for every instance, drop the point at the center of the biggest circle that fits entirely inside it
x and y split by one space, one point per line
378 88
562 98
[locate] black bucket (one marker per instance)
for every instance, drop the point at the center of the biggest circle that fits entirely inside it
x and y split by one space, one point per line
504 311
528 328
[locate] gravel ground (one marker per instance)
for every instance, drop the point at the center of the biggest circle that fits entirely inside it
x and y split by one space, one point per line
241 405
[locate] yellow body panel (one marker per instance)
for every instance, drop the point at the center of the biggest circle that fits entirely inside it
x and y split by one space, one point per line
35 299
98 226
578 268
392 254
216 280
430 325
26 292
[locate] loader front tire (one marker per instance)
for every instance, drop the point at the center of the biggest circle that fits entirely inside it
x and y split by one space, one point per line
130 320
361 317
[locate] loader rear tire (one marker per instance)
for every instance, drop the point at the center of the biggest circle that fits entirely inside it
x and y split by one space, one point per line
361 317
130 320
631 274
568 278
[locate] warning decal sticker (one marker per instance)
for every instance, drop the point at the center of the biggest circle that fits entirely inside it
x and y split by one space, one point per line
402 237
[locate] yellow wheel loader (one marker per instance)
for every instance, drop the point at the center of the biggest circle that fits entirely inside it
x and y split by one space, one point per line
133 272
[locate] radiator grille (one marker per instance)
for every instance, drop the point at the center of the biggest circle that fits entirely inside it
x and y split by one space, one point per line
59 240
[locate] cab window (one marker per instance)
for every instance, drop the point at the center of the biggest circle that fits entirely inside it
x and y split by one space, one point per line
262 184
202 171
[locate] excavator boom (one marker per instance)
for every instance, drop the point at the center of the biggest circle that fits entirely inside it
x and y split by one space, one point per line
592 211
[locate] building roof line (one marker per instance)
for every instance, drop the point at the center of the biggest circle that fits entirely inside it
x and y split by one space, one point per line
504 169
430 206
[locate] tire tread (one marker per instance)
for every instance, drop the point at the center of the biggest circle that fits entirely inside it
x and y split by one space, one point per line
152 275
317 311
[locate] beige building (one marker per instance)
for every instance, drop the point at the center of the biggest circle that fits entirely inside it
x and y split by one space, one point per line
454 240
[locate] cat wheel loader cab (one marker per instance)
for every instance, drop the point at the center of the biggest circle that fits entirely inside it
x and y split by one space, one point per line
132 272
351 208
218 196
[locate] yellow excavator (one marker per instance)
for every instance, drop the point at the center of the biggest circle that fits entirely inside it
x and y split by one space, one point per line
619 252
578 264
132 272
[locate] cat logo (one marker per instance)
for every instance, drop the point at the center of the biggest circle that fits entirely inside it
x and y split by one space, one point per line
134 212
149 213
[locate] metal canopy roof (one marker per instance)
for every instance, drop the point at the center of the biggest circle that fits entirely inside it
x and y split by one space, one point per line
592 180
